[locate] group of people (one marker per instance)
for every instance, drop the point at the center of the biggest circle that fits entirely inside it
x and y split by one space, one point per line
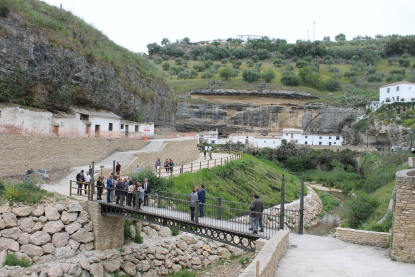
83 178
198 194
168 165
123 190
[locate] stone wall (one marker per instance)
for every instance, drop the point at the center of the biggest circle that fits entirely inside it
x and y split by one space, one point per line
20 153
269 256
363 237
403 231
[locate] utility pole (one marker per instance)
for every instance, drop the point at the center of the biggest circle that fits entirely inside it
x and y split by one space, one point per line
314 31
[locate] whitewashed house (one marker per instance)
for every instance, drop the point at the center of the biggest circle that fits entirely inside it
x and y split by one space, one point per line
321 139
292 135
267 141
402 91
131 129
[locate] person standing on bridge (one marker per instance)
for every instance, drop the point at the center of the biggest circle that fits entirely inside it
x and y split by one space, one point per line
110 187
80 178
118 169
140 192
147 191
192 198
201 197
256 207
100 186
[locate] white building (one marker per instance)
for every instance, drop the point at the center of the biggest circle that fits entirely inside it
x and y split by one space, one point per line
76 123
401 92
299 137
267 141
131 129
245 38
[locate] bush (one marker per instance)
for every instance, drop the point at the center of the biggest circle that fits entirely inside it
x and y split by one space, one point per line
372 70
289 67
249 63
127 231
394 78
268 75
398 71
375 78
301 64
404 62
353 80
4 11
174 231
333 85
138 238
333 69
224 61
12 260
207 75
290 79
349 74
184 273
236 64
165 66
358 208
251 75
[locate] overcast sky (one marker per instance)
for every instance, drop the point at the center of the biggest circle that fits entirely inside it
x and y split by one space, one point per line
136 23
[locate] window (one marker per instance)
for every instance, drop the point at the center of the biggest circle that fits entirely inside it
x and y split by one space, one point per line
292 135
84 116
397 98
329 137
320 137
337 138
305 136
122 126
296 141
388 90
397 88
265 141
320 143
0 115
274 142
305 143
109 126
334 142
136 128
393 98
286 135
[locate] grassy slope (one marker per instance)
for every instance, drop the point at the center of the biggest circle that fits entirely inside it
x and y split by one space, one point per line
63 29
239 180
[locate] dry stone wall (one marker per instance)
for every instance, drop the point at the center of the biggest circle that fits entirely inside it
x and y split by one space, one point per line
61 239
403 231
363 237
20 153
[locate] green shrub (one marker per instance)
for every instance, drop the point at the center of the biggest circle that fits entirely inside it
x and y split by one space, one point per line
394 78
174 231
4 11
333 69
251 75
184 273
374 78
12 260
385 226
127 231
138 238
358 208
12 193
333 85
290 79
349 74
301 64
400 71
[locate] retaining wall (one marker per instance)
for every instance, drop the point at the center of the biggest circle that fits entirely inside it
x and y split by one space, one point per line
403 231
363 237
20 153
269 256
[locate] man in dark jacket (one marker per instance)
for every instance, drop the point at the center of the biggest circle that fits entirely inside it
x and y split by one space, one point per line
256 207
80 178
202 199
147 191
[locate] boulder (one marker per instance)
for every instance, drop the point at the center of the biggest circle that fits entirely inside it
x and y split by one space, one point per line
26 224
53 227
151 233
195 260
144 265
97 269
52 213
24 238
9 244
40 238
32 250
43 219
73 244
162 250
129 268
87 246
22 211
60 239
68 217
37 227
72 228
165 232
48 248
112 265
176 268
11 233
76 270
83 236
75 207
55 271
85 264
4 209
60 207
2 225
3 255
38 211
10 220
89 227
223 252
64 252
132 231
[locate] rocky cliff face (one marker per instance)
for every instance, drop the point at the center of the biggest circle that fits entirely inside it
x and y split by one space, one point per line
266 112
35 71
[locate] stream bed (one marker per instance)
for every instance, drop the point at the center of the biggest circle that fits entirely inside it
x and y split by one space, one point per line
326 225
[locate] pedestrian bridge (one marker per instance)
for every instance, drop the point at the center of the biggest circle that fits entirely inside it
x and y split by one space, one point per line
224 221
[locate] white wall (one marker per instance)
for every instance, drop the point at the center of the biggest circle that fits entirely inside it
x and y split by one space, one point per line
22 121
334 140
395 93
271 142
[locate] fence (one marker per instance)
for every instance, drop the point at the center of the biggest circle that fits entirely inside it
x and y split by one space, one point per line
194 166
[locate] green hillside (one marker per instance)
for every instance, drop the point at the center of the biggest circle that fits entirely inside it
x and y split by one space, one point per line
239 180
343 73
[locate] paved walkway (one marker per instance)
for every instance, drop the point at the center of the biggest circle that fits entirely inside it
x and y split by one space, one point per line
310 255
126 158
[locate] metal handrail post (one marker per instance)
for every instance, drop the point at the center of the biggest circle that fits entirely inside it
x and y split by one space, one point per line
92 182
70 188
197 211
191 167
136 200
301 223
113 167
182 170
282 215
159 198
219 208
